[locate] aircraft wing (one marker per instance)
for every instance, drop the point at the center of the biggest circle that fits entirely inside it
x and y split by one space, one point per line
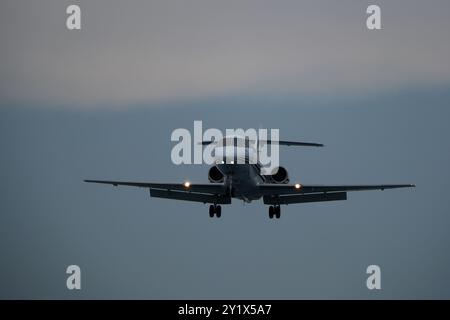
288 193
287 189
206 193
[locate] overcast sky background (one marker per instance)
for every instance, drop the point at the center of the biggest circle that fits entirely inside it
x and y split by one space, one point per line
102 102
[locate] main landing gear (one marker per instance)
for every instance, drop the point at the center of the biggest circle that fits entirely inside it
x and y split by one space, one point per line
215 210
274 211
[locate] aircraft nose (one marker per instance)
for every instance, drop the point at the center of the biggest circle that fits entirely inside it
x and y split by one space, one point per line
234 155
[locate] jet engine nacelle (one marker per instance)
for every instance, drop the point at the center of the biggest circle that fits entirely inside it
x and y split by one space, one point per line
215 176
280 175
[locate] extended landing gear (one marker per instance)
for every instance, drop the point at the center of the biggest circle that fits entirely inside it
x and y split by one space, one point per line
215 210
274 211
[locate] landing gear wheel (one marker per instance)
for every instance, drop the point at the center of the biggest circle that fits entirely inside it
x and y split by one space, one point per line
215 210
277 212
271 212
218 211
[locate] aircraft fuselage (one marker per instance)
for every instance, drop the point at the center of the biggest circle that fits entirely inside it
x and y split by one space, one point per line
242 180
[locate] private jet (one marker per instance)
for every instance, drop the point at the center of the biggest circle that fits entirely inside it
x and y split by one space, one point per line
235 175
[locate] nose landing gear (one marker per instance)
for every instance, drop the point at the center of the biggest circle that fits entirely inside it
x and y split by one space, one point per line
274 211
215 210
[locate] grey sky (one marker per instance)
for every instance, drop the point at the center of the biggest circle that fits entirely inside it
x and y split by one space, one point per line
101 103
151 51
130 245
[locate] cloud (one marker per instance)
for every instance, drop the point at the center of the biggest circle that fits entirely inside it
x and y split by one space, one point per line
156 51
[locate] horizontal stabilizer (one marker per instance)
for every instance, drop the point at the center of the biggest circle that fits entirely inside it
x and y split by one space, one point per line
294 143
280 142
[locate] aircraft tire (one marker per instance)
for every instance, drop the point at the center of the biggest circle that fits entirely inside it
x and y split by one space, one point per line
271 212
218 211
